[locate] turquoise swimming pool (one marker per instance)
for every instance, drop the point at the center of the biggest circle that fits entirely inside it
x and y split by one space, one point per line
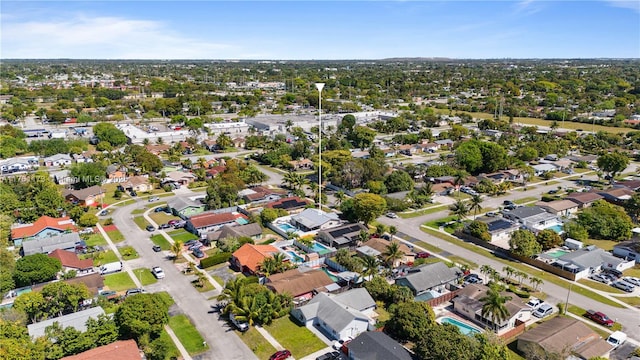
286 227
465 329
319 248
295 257
333 277
557 228
556 253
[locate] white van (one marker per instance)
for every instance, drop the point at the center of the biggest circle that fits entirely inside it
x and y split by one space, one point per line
617 338
110 268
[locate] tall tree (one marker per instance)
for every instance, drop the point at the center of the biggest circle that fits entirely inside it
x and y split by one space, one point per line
524 243
475 204
613 163
459 209
392 253
369 264
368 206
493 306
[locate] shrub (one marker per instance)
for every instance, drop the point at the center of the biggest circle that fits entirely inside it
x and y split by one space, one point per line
216 259
108 221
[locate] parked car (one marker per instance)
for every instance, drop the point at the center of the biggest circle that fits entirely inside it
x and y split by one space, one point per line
508 202
157 272
150 228
616 339
613 273
337 345
553 191
392 215
190 242
154 198
156 248
104 213
86 231
179 225
135 291
173 222
160 209
600 278
422 255
534 303
165 226
491 214
281 355
599 317
632 280
510 207
133 193
624 286
197 245
241 325
472 279
543 311
198 253
334 355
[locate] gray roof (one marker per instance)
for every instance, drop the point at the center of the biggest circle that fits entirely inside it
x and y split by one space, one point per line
357 298
178 203
48 244
429 276
249 230
76 320
376 345
526 212
590 257
312 218
367 250
335 315
58 157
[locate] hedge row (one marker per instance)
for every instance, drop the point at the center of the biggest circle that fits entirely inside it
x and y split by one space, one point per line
216 259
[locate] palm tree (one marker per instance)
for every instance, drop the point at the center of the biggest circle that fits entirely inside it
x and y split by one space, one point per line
486 270
380 229
392 253
176 249
233 291
202 163
340 196
535 282
393 230
247 310
475 205
493 306
520 275
268 266
289 179
459 209
364 236
458 180
527 173
369 264
509 271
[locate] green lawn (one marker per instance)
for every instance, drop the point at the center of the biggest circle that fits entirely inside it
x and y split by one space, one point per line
172 351
296 338
187 333
441 222
138 211
159 240
206 287
631 300
128 253
182 236
257 343
431 210
95 240
546 277
115 236
461 260
634 271
576 310
119 281
166 297
600 286
109 190
162 217
104 257
145 276
525 200
141 222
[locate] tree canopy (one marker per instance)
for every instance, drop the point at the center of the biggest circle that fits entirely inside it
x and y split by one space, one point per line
524 243
603 220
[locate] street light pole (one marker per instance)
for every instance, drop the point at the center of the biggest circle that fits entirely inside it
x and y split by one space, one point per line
319 86
566 303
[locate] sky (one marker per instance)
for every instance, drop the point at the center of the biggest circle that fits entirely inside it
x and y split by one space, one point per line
319 30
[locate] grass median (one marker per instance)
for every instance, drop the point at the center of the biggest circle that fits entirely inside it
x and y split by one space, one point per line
257 343
297 338
430 210
187 334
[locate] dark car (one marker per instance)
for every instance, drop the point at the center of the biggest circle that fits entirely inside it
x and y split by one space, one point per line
281 355
198 253
160 209
508 202
334 355
190 242
165 226
133 193
150 228
156 248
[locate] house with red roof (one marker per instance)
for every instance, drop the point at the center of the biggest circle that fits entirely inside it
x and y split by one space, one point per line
119 350
207 222
249 257
70 261
44 227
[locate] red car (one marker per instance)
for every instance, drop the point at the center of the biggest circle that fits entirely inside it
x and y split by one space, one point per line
281 355
422 255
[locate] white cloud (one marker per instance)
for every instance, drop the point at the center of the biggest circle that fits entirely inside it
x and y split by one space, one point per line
104 37
527 7
626 4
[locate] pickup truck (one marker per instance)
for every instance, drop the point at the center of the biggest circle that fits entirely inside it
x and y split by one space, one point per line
600 318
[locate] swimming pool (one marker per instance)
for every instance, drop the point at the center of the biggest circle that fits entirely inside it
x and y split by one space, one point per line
286 227
295 257
319 248
465 329
242 221
557 228
556 253
333 277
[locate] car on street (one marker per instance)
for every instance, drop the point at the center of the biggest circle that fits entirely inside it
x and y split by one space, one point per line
422 255
337 345
165 226
104 213
154 198
334 355
135 291
156 248
198 253
632 280
508 202
534 303
491 214
599 317
543 311
173 222
157 272
392 215
624 286
600 278
280 355
150 228
160 209
553 191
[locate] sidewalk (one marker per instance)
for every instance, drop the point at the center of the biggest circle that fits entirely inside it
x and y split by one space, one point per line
268 337
172 335
113 247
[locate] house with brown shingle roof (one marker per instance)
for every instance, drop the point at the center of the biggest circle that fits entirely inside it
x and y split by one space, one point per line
376 247
70 261
94 283
629 184
292 204
559 207
207 222
299 283
91 196
584 199
44 227
249 257
261 194
303 164
157 149
616 196
138 183
119 350
563 338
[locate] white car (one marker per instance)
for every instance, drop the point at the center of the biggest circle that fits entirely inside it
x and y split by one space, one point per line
632 280
154 198
543 311
600 278
534 303
158 272
392 215
624 286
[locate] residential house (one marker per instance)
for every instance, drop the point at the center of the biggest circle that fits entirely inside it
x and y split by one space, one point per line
261 194
563 338
500 229
467 303
430 281
429 147
629 250
63 177
93 281
541 169
564 208
443 180
302 164
291 204
301 283
590 259
617 196
116 173
584 199
376 247
346 235
12 165
533 218
253 231
446 143
119 350
157 149
70 261
313 219
238 142
249 257
58 160
338 316
215 170
376 345
360 154
77 320
207 222
138 184
91 196
633 185
442 188
185 207
45 245
210 144
180 177
83 158
44 227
